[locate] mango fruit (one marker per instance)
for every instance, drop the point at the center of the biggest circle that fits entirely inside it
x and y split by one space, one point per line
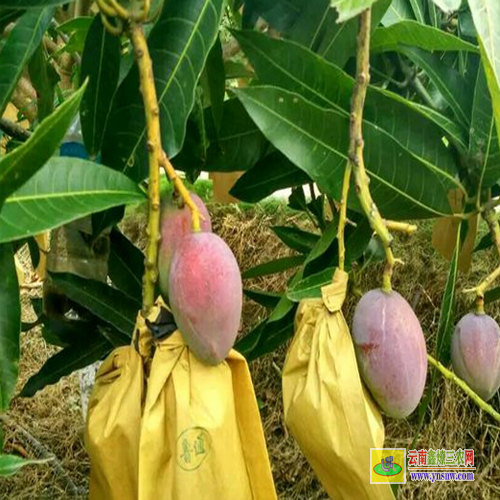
206 295
475 353
175 224
391 352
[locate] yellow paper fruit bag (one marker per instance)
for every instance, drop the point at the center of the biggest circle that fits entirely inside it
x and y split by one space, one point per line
201 432
114 424
327 408
185 431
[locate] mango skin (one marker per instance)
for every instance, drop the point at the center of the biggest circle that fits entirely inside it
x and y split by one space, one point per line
475 353
391 351
175 224
206 295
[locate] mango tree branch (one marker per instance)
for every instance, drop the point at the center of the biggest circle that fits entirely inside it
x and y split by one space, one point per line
460 383
356 145
401 227
152 114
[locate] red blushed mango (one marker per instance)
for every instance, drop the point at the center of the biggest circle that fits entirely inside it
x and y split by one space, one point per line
391 352
206 295
175 224
475 353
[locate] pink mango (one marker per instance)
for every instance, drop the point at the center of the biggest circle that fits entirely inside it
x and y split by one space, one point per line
391 351
475 353
206 295
175 224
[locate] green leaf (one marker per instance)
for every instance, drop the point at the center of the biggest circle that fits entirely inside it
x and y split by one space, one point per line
350 8
399 10
10 326
446 315
19 165
484 243
288 65
486 16
214 82
107 303
10 464
483 141
101 64
31 4
419 10
274 266
271 173
415 34
179 44
267 336
295 238
316 140
44 78
266 299
448 6
65 189
77 30
18 49
126 265
8 16
310 287
454 88
492 295
65 362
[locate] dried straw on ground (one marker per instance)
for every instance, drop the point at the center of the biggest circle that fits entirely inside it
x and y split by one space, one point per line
53 417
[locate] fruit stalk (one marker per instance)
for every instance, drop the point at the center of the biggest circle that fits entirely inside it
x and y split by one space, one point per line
343 215
152 114
460 383
156 156
356 145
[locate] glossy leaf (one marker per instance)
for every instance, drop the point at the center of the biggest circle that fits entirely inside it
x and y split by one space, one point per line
214 82
10 326
446 315
295 238
288 65
310 287
350 8
274 266
10 464
271 173
399 10
44 78
415 34
18 49
453 87
65 189
483 142
101 64
418 7
486 16
267 336
179 44
492 295
19 165
31 4
316 140
126 265
65 362
107 303
266 299
448 5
